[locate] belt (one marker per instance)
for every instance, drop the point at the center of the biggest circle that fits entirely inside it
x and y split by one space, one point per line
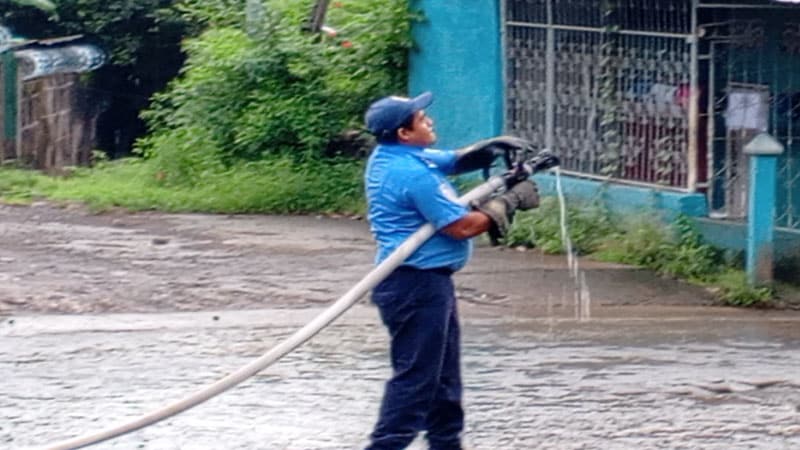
437 270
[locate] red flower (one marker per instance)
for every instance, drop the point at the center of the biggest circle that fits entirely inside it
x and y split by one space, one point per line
347 44
338 4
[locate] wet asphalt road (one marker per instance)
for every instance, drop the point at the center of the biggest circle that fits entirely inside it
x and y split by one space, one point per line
690 378
654 368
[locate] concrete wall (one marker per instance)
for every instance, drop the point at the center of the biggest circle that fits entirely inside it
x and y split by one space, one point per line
733 236
459 59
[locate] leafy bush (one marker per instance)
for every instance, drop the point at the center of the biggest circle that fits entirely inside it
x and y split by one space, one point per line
587 224
203 14
733 288
639 241
690 258
280 91
676 250
244 126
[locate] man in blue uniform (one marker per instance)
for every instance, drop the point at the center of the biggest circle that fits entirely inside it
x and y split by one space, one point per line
406 188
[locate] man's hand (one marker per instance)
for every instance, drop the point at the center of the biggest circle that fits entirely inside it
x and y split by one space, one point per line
482 154
524 195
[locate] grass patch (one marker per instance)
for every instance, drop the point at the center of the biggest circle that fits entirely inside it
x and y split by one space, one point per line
278 185
731 286
23 186
541 227
673 250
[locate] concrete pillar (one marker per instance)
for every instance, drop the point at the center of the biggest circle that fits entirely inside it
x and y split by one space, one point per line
764 151
459 58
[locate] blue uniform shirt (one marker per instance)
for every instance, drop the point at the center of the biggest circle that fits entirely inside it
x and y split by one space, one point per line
406 188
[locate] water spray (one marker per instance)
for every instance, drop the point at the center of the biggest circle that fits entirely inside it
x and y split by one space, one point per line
521 166
582 298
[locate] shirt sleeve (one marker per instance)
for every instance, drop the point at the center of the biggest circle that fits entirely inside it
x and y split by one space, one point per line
436 199
445 160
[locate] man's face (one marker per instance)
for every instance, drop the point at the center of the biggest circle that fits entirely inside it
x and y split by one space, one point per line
420 133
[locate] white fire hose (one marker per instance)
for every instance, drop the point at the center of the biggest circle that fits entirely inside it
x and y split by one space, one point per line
299 337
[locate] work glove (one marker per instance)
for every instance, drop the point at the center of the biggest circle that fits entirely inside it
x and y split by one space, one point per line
500 209
482 154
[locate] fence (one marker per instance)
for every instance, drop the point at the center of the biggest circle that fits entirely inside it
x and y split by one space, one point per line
48 123
606 86
56 128
753 64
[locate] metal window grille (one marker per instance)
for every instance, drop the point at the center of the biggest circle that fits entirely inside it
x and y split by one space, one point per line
605 85
754 80
664 93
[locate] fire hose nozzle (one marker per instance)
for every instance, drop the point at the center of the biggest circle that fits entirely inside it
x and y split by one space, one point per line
544 160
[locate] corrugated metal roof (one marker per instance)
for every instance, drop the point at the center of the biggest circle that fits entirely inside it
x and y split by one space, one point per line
5 39
39 58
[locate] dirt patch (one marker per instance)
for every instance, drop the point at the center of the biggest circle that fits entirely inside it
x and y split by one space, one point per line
68 260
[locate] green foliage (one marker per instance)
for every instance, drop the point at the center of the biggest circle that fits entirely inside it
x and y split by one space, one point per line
640 241
203 14
22 186
733 288
244 126
278 185
692 258
675 251
281 91
678 251
587 225
141 39
127 30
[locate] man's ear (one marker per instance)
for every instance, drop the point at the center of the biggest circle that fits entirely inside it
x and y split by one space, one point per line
402 134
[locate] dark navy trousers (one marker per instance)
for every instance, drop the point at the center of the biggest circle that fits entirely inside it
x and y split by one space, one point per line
419 310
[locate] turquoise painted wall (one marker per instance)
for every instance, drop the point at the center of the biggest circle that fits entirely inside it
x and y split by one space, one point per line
733 236
459 59
626 199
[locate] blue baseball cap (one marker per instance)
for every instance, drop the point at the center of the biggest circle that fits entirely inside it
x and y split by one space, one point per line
387 114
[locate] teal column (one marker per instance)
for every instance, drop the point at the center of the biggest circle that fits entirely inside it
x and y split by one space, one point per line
9 86
764 151
458 56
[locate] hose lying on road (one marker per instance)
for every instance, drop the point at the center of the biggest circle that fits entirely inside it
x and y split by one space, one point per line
299 337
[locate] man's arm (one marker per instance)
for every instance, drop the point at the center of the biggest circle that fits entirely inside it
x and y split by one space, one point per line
496 214
471 225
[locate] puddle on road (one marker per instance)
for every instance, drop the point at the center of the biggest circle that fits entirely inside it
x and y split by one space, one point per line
529 384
